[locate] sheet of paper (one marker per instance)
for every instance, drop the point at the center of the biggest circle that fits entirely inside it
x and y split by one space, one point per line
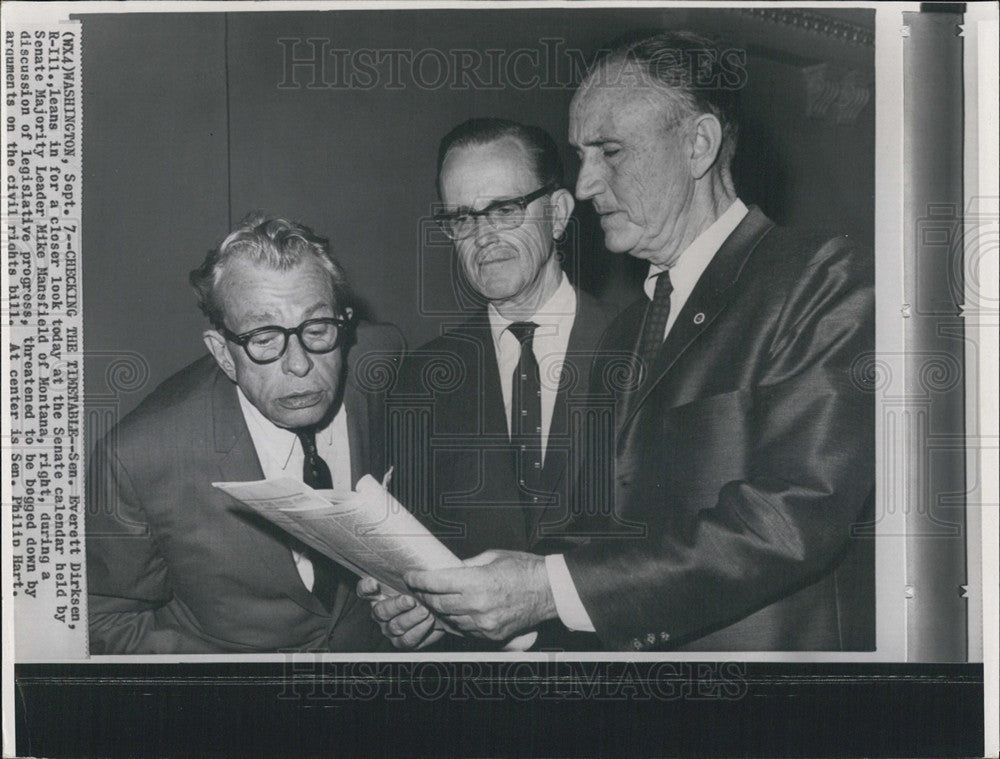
367 530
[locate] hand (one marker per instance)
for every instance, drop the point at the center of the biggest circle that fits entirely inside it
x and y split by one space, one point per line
496 595
403 620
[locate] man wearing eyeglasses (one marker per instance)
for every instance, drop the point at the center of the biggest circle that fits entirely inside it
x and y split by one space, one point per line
173 567
493 468
746 449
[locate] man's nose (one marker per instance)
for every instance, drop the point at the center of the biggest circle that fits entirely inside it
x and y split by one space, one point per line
589 183
485 231
296 360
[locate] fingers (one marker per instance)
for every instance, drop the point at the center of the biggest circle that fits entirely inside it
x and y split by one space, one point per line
464 615
402 624
408 636
369 588
392 607
404 621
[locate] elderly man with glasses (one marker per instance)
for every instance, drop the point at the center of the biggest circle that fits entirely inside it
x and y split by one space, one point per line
492 466
746 448
173 567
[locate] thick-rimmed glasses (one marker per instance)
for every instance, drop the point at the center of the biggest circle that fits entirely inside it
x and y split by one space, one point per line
267 344
506 213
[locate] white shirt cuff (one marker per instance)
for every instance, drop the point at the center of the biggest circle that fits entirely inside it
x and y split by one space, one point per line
568 603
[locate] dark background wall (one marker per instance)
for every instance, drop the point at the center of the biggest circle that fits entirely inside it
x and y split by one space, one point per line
192 120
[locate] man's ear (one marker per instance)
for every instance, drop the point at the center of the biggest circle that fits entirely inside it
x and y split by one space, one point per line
217 346
562 204
706 141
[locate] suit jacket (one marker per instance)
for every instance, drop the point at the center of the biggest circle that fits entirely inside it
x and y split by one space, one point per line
454 460
172 566
746 458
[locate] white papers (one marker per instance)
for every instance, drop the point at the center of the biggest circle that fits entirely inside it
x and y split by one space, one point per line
367 530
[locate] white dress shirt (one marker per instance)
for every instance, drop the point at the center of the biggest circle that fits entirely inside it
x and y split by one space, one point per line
280 454
684 275
549 344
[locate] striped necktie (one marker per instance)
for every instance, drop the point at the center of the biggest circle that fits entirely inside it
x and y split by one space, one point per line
526 417
655 325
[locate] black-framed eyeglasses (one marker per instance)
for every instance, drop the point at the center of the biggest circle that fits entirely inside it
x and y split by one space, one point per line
267 344
506 213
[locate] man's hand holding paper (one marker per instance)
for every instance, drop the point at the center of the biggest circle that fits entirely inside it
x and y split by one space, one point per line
495 595
406 622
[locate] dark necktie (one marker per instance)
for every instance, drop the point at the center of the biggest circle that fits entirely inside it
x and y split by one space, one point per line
316 474
656 323
526 415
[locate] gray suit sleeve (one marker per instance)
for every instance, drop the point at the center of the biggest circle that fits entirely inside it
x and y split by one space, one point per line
130 601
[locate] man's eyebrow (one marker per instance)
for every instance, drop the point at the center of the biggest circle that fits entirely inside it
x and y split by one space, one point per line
269 317
318 306
598 142
501 200
459 210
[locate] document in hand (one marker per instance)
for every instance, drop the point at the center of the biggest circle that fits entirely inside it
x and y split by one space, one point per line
366 530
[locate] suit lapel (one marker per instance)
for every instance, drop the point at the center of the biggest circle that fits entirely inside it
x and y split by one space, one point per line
574 385
495 426
622 352
237 456
709 298
477 489
495 421
359 434
238 462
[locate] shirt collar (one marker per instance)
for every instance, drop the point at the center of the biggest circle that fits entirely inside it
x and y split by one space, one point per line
690 265
560 306
278 438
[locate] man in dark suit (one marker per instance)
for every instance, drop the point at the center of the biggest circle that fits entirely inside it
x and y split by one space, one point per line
173 565
744 447
488 412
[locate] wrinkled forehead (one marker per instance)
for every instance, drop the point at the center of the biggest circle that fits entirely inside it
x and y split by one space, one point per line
613 95
244 281
476 174
617 81
508 152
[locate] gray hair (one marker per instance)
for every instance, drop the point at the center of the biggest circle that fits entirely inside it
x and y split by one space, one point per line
270 241
696 75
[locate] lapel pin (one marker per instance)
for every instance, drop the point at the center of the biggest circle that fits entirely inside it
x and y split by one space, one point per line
699 317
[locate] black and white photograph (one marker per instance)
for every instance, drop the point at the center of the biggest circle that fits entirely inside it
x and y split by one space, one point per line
485 379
